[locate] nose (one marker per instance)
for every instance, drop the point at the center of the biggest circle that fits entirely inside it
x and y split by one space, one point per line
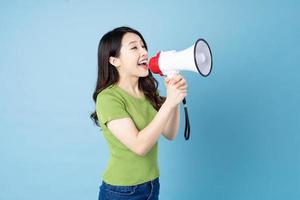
144 53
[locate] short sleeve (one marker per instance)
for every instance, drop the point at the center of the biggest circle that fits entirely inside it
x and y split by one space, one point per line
110 107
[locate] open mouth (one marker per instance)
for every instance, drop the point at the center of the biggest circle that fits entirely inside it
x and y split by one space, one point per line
144 64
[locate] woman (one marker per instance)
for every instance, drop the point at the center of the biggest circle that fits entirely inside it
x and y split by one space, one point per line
132 115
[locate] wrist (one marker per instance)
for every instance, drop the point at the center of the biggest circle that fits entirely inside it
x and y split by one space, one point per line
168 105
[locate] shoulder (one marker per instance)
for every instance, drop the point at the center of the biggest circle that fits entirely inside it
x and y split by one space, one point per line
109 95
108 92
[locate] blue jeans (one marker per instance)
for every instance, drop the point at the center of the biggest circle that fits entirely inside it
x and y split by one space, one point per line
144 191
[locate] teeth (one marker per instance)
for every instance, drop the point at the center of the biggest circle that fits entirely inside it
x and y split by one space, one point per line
144 62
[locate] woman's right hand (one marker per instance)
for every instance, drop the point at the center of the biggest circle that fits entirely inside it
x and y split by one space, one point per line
176 90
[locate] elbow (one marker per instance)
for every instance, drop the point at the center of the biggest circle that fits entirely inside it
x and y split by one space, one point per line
142 154
170 137
141 151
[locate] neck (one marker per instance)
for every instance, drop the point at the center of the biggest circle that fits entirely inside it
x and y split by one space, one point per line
131 85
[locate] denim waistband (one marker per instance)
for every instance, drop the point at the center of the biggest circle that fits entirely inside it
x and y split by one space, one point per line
154 181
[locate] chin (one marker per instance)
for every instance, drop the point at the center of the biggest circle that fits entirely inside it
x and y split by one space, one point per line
144 74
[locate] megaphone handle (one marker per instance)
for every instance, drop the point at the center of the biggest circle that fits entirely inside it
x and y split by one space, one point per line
187 121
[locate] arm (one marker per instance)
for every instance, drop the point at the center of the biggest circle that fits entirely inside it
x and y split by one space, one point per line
171 128
140 142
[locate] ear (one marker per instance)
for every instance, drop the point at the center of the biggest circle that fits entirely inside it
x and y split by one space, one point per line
114 61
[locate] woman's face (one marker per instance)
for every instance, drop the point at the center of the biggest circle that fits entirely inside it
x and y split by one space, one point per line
133 57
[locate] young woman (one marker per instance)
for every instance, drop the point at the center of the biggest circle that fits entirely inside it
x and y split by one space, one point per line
132 115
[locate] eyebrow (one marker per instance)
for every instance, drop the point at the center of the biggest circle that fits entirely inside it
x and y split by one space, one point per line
135 42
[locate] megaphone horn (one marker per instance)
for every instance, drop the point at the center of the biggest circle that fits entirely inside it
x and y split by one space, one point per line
197 58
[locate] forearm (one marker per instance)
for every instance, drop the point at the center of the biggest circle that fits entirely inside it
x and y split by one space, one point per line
172 126
150 134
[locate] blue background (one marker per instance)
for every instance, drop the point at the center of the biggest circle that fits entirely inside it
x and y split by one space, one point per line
245 117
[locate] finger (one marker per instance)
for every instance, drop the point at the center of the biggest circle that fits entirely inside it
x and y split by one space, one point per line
182 87
181 83
177 79
183 91
167 82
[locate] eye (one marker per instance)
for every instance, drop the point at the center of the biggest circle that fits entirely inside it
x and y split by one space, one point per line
144 47
134 48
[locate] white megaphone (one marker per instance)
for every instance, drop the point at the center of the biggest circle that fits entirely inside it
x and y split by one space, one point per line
197 58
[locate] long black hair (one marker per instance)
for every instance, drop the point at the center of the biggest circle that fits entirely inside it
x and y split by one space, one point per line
110 45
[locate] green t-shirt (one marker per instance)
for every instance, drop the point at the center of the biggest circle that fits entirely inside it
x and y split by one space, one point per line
126 168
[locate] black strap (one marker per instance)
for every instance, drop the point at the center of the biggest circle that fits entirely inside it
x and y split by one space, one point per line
187 121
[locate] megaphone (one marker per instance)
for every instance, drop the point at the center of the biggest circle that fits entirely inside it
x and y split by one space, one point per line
197 58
